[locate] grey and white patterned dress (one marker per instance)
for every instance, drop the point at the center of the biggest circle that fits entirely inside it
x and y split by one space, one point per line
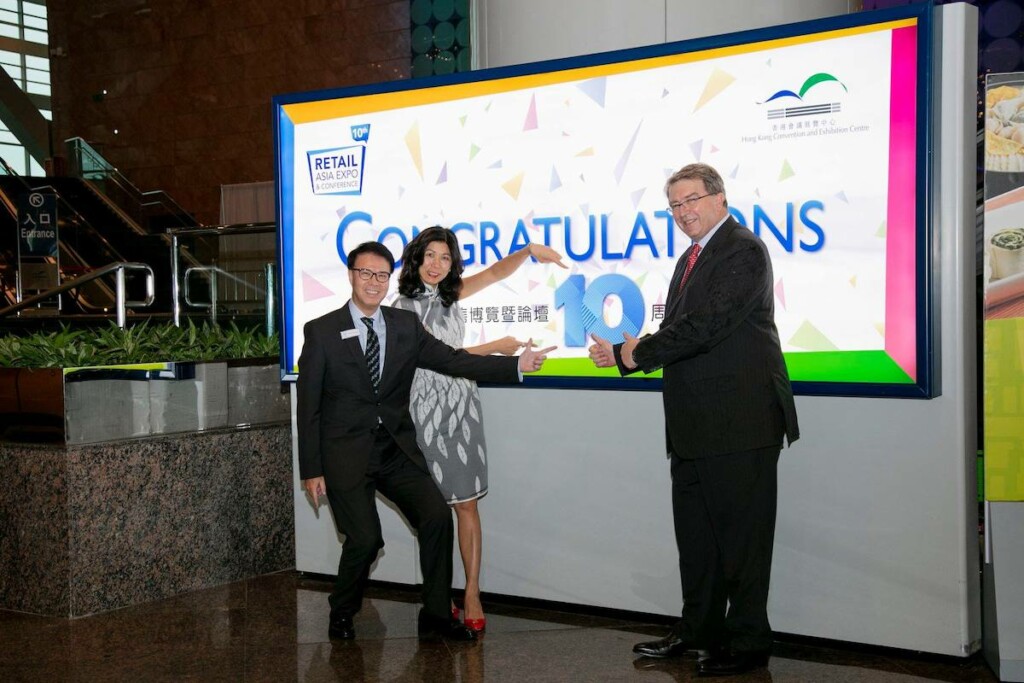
446 410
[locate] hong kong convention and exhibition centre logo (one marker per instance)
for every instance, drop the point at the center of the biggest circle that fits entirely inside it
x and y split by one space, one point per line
804 105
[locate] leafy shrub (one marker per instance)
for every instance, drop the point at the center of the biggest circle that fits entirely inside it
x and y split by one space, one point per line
142 343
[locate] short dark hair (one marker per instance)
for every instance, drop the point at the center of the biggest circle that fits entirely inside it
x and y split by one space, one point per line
409 282
371 248
713 182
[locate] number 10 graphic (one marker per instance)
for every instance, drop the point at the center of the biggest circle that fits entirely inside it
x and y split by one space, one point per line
584 307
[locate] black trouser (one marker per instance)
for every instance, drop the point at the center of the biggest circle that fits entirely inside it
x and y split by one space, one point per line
724 512
392 473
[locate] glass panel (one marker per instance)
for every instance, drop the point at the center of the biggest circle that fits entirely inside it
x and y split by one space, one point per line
14 155
24 21
37 76
34 9
33 36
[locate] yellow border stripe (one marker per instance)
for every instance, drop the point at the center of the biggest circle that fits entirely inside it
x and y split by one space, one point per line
321 110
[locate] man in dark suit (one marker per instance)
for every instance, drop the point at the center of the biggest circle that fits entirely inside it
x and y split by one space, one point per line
728 404
356 436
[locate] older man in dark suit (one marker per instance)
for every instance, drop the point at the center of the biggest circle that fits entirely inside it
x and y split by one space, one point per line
728 404
357 438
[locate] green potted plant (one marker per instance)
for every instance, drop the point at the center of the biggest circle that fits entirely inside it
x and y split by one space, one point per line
96 385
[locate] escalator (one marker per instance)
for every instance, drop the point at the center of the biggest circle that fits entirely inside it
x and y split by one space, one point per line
102 219
82 247
122 232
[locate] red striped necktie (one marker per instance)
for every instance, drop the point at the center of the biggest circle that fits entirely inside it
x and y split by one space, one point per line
691 261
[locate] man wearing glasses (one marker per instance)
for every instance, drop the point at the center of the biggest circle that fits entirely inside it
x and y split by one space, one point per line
356 436
728 404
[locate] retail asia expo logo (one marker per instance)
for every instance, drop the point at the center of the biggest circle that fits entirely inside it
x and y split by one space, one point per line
806 106
339 170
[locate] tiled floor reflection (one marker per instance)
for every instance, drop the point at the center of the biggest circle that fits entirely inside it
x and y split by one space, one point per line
274 628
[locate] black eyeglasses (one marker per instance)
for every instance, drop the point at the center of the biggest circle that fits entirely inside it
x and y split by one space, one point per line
688 203
366 274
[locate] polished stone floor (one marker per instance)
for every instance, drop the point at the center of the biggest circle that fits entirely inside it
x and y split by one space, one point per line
274 628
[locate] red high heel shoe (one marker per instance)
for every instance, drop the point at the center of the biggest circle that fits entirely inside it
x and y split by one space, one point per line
477 625
455 613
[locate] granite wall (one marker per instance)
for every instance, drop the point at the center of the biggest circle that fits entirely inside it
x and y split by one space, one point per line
85 529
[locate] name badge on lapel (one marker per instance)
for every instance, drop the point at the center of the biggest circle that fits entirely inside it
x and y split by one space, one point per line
348 334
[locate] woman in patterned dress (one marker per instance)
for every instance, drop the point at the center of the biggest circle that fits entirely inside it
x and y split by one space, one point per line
446 410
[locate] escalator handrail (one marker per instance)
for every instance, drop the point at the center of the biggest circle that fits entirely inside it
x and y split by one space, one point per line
11 173
226 229
167 202
7 168
109 171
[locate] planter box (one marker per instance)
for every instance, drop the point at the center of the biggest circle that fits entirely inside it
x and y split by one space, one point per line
146 487
91 528
96 405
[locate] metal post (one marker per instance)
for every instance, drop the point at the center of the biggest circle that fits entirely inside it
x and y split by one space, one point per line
120 294
213 295
268 279
988 532
175 286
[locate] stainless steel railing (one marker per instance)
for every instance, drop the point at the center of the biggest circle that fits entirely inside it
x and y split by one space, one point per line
180 281
122 303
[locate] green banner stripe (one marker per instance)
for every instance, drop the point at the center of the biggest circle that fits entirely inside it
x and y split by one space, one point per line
582 367
875 367
126 366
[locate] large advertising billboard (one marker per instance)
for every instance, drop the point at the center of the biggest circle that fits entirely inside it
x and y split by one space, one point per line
819 130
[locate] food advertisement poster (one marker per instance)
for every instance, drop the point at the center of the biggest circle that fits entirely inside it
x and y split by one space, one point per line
1004 287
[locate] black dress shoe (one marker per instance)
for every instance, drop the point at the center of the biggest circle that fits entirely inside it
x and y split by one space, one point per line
669 646
732 663
443 627
341 628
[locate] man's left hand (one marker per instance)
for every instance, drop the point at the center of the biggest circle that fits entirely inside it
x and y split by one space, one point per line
629 343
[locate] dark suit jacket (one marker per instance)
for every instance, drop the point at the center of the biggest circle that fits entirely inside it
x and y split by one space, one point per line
337 408
726 387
